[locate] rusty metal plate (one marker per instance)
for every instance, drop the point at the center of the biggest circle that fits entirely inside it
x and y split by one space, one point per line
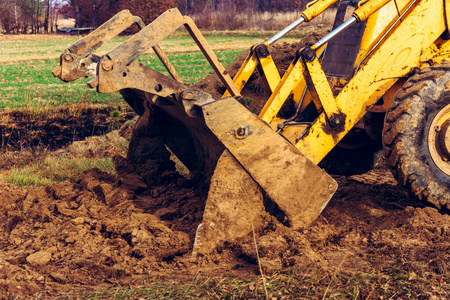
148 37
299 187
102 34
233 209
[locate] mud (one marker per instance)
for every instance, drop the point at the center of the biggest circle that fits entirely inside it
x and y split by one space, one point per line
103 230
56 128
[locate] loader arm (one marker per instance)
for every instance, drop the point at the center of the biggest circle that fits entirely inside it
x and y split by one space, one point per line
306 189
78 60
394 58
156 31
220 139
251 141
398 49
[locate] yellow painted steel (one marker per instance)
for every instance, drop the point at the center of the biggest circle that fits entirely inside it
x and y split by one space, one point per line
445 117
292 77
368 8
393 59
436 53
447 14
267 66
321 87
270 71
388 53
378 24
292 80
244 73
302 94
314 8
388 97
246 70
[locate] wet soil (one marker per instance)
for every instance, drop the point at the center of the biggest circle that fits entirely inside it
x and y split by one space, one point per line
56 128
103 229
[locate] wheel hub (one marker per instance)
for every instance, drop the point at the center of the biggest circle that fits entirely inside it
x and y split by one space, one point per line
439 139
444 138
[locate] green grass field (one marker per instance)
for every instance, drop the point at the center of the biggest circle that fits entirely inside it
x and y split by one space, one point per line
25 68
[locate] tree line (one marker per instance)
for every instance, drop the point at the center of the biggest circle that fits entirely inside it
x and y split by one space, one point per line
196 6
37 16
28 16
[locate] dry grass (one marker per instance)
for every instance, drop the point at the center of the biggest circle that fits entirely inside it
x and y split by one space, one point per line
34 37
50 46
250 20
66 22
21 48
317 281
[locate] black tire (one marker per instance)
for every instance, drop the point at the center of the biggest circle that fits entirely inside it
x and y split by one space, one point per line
406 132
344 161
357 153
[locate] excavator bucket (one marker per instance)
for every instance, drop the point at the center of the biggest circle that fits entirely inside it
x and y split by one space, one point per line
250 168
256 154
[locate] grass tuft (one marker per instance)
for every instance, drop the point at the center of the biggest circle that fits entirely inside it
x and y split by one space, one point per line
314 282
251 20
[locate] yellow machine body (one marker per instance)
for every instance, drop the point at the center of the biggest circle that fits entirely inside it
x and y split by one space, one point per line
390 49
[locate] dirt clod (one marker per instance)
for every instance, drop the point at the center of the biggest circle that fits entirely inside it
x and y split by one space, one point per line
40 258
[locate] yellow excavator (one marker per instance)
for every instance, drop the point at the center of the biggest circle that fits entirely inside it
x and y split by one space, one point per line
380 74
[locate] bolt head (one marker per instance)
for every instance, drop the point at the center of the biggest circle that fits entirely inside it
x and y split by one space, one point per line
262 50
335 120
241 132
68 58
107 65
308 54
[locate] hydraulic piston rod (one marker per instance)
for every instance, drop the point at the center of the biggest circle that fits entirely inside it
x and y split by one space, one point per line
285 31
359 15
335 32
313 9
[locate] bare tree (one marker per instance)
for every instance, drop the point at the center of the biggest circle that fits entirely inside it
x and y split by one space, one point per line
19 16
148 10
77 10
47 16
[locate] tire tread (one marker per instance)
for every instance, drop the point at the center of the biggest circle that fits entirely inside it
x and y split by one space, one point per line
400 135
